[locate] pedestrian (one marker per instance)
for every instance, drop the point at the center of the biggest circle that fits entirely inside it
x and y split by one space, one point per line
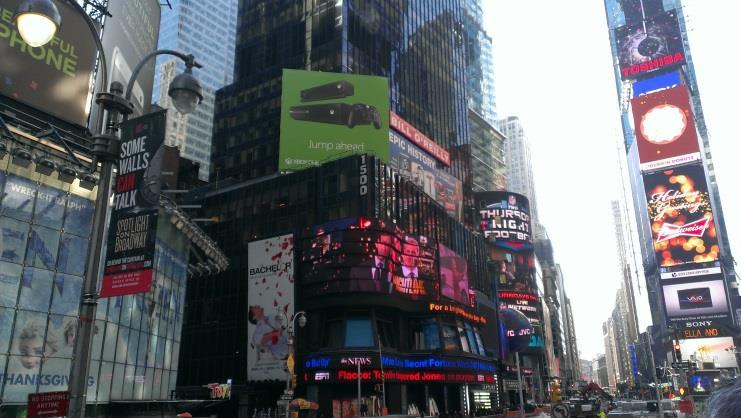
726 401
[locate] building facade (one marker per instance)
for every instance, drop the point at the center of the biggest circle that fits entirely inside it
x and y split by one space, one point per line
206 30
519 161
479 63
643 81
487 158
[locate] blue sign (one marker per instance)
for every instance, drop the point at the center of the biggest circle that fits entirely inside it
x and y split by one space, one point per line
654 84
634 361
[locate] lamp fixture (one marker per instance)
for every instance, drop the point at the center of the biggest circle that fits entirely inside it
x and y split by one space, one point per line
37 21
44 165
185 91
67 174
88 181
21 157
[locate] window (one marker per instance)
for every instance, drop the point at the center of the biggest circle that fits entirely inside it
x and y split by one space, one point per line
386 334
462 336
332 335
425 334
450 338
358 333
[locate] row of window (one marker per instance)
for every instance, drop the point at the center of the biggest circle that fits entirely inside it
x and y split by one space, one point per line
359 330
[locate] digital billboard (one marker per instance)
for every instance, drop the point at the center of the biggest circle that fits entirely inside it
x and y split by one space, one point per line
527 303
325 116
515 271
651 45
696 300
54 78
658 83
710 350
418 166
270 297
665 129
681 217
454 276
131 32
132 235
505 219
368 255
637 10
704 382
418 138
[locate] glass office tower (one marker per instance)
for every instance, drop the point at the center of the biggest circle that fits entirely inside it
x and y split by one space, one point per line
665 27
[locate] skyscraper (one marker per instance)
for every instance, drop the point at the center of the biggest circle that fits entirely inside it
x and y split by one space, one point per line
681 250
479 63
206 30
519 163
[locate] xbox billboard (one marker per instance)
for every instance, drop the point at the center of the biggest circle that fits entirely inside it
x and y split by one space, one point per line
326 116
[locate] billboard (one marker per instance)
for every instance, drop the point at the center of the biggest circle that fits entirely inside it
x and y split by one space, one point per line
418 166
454 276
637 10
681 217
132 234
651 45
60 80
368 255
706 350
325 116
704 382
505 219
527 303
421 140
665 129
696 300
515 271
658 83
130 33
270 298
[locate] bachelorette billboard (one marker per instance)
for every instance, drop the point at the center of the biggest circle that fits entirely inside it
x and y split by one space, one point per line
681 217
270 297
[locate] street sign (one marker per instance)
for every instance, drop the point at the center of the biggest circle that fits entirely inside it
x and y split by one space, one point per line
684 365
48 404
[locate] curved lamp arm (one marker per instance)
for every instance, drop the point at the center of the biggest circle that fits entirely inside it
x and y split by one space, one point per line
189 60
103 70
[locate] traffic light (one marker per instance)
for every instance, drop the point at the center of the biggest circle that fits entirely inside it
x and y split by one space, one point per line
682 391
677 351
659 373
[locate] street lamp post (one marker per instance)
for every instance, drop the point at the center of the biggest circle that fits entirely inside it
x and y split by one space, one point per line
301 317
38 21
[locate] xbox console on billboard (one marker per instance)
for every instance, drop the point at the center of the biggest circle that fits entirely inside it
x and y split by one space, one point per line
665 129
325 116
681 216
54 78
648 46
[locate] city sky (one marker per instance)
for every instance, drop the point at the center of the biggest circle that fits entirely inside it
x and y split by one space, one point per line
554 69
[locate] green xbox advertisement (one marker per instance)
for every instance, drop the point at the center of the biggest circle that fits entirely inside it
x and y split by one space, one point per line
326 116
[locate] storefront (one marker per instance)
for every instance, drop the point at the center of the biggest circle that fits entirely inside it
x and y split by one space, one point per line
402 383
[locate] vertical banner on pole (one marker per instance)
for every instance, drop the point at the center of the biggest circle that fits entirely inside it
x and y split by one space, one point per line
131 237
